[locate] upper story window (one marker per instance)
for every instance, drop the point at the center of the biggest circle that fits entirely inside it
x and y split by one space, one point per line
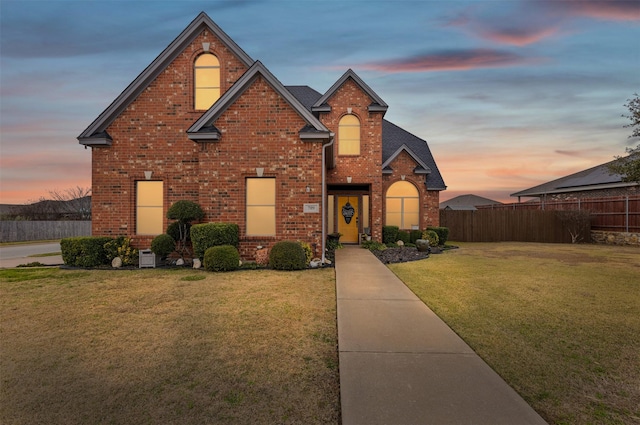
349 135
206 80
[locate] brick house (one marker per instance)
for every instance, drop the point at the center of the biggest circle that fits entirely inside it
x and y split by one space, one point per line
205 122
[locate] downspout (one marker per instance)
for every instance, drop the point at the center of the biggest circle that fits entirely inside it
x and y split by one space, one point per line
324 195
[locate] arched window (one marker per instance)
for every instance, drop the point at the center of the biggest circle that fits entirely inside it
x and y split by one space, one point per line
403 205
206 81
349 135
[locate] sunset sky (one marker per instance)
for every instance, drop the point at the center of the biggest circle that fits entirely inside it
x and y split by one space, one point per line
508 93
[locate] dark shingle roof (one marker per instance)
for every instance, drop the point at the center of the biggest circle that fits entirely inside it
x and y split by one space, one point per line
393 138
597 177
466 202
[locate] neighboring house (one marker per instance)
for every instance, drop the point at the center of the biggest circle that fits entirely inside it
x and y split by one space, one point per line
595 182
467 202
205 122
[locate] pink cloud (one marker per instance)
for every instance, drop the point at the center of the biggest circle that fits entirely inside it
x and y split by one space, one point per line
615 10
517 36
458 60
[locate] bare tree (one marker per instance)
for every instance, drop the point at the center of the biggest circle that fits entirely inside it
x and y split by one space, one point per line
577 223
74 202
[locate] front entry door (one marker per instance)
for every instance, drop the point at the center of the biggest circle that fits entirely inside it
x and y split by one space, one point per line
348 219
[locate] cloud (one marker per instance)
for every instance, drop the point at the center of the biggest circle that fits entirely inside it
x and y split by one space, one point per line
517 36
450 60
608 10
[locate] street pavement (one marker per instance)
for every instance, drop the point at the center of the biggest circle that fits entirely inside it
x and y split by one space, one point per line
15 255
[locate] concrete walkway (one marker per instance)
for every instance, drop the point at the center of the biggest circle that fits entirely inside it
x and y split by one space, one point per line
401 364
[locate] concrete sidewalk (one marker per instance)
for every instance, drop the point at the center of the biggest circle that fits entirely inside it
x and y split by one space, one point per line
401 364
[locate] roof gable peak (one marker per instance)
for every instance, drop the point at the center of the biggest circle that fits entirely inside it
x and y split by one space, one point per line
378 105
199 130
160 63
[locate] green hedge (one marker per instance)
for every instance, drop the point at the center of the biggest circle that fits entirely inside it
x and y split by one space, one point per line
85 251
415 235
206 235
390 234
222 258
442 232
404 236
163 245
287 255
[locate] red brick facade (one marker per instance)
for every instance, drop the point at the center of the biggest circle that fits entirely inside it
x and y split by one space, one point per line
260 128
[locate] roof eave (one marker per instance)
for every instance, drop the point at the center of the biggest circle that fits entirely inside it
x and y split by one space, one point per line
97 140
574 189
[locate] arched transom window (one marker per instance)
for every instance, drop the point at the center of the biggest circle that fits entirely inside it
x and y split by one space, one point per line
206 80
403 206
349 135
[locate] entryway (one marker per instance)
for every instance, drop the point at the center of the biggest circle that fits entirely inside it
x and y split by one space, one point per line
348 218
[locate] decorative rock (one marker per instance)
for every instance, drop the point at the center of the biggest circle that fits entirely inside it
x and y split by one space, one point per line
327 261
179 262
197 263
116 263
422 245
315 263
400 243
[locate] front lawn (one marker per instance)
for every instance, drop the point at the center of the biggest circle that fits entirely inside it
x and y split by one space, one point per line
560 323
168 346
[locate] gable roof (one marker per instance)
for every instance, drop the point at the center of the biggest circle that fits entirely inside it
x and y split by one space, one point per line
378 105
96 133
598 177
394 139
466 202
422 168
203 128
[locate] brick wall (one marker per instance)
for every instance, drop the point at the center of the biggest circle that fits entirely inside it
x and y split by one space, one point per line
365 168
403 165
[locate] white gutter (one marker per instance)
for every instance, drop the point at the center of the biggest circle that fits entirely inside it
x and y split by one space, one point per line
324 195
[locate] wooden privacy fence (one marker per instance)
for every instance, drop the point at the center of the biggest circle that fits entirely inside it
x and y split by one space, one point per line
526 225
612 214
20 231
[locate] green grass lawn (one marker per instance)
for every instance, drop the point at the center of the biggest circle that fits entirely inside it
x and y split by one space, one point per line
168 347
560 323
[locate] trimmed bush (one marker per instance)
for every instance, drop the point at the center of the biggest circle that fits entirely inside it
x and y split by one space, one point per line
390 234
173 230
404 236
415 235
163 245
431 236
287 255
374 246
222 258
442 232
204 236
84 251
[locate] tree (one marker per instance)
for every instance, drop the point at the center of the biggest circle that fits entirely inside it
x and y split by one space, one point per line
184 212
75 201
629 166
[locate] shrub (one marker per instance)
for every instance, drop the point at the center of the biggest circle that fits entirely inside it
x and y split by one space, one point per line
415 235
84 251
308 252
204 236
287 255
163 245
333 242
431 236
442 232
173 230
390 234
184 212
221 258
121 247
404 237
374 246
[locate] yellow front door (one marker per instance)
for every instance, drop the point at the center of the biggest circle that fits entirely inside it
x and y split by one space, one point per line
348 220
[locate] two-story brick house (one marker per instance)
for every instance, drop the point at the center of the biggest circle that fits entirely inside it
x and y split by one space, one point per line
205 122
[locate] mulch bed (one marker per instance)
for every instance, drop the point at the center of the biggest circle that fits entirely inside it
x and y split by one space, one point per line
402 255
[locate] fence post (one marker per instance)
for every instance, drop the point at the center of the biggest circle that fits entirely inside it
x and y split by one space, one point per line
626 213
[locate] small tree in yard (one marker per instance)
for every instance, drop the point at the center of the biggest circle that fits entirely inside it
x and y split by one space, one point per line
629 166
184 212
577 222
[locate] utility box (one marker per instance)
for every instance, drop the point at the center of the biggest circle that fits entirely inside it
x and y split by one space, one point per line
146 258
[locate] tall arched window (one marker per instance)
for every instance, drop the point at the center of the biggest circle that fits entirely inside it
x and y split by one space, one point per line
403 205
349 135
206 81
